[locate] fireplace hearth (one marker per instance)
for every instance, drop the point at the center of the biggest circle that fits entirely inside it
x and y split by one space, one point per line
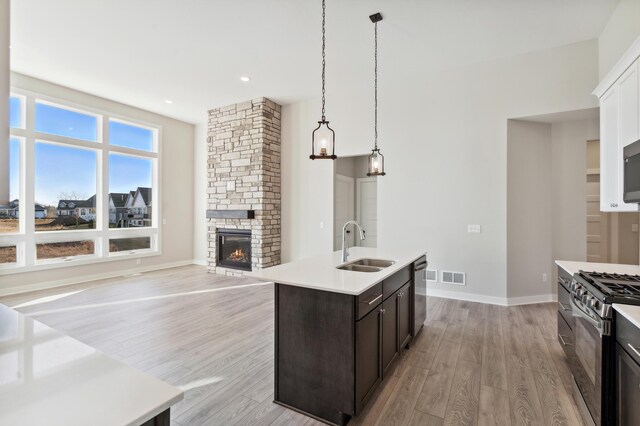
234 248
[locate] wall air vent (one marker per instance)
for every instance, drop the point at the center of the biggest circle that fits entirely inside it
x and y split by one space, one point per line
455 278
432 275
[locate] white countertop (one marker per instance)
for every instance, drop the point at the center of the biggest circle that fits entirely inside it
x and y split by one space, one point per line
573 267
630 312
320 272
49 378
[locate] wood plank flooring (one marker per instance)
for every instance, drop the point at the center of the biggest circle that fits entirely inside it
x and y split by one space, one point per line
212 336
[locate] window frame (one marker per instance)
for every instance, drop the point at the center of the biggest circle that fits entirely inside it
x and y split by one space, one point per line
26 239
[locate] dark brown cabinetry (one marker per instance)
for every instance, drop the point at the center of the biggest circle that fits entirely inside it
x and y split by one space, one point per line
627 372
403 298
332 350
389 332
369 356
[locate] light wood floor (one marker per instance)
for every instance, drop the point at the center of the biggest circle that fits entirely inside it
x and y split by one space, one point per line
473 364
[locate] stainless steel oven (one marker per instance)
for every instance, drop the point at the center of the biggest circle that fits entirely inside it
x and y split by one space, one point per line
592 356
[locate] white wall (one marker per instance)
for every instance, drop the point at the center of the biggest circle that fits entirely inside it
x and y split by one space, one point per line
176 186
444 136
529 208
620 32
4 100
200 226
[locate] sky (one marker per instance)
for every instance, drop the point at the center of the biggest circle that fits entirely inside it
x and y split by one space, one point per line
62 168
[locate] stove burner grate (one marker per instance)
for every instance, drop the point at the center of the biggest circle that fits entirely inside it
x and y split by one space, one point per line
614 284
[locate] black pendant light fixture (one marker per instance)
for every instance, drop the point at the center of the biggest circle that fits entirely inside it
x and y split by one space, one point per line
323 138
376 159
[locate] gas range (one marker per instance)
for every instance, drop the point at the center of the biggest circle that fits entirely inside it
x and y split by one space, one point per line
608 288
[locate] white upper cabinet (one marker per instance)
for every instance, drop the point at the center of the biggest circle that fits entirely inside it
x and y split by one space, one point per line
619 94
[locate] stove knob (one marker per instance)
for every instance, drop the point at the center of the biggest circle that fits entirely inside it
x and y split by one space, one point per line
585 299
580 291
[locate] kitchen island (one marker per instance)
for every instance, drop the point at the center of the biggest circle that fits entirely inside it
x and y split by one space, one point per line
338 332
49 378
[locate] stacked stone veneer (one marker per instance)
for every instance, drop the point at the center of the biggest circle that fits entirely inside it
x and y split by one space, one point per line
244 147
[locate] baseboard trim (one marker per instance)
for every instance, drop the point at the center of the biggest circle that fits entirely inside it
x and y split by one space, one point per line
88 278
492 300
528 300
469 297
200 262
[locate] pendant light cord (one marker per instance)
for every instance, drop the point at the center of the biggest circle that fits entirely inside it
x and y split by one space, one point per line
323 56
375 85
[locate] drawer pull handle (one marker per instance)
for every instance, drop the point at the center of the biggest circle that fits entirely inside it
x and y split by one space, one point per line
634 349
564 306
562 340
375 299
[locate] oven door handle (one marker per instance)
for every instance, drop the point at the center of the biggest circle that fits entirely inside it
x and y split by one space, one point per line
578 312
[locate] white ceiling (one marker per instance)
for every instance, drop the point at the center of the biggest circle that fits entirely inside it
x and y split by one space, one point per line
141 52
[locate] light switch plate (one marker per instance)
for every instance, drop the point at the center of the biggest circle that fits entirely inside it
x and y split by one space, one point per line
634 227
474 229
231 185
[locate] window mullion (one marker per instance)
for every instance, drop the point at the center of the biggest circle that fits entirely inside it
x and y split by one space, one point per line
102 246
28 174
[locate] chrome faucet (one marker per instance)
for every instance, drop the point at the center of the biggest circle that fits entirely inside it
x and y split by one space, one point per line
345 246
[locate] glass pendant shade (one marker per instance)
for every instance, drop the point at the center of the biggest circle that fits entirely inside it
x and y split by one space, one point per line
323 141
376 163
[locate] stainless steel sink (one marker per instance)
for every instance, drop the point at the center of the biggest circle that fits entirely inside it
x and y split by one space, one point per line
378 263
358 268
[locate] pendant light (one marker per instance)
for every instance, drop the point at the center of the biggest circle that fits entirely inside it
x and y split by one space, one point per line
323 138
376 159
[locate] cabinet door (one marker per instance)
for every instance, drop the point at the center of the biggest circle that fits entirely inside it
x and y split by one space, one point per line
628 124
404 316
368 356
609 161
627 389
389 332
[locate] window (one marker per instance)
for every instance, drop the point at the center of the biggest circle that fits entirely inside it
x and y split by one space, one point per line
15 112
91 188
65 122
66 178
126 135
9 209
130 180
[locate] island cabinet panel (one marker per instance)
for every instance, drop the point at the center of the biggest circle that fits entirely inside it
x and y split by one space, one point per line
315 352
405 317
368 356
389 332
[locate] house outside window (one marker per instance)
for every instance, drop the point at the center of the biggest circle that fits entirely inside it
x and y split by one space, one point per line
90 177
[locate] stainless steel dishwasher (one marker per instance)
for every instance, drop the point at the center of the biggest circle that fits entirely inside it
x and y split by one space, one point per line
420 293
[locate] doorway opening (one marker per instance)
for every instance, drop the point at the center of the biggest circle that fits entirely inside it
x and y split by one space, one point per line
355 197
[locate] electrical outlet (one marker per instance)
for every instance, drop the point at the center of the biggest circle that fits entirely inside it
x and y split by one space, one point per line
544 278
138 261
474 229
164 221
321 225
634 227
231 185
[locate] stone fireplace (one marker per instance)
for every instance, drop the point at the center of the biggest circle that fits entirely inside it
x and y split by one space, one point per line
244 187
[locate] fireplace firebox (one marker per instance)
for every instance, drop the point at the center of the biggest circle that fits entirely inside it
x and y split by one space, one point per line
234 249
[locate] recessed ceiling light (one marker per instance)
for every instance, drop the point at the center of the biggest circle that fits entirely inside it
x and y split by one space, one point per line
245 79
168 101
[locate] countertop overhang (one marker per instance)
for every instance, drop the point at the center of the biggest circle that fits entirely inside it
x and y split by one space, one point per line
320 272
57 380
